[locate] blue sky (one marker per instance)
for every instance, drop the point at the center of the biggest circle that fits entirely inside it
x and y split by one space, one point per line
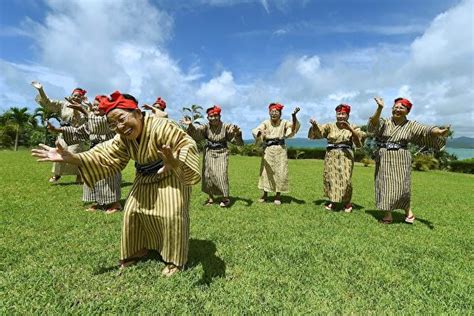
245 54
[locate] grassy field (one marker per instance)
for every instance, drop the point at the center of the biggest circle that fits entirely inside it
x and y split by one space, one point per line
252 258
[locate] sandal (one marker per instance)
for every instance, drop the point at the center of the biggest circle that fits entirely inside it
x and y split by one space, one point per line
54 179
113 210
329 206
277 202
92 208
410 219
170 269
348 208
209 202
225 203
262 200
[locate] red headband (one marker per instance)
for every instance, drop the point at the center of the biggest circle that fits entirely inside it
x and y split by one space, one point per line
215 110
79 91
161 103
100 98
405 102
275 106
345 108
117 101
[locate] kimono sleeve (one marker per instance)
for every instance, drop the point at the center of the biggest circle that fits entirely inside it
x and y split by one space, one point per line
258 129
289 129
198 133
76 135
54 106
376 128
104 160
188 172
362 135
421 136
230 137
322 133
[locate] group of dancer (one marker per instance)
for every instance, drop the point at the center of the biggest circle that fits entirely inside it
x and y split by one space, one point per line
156 212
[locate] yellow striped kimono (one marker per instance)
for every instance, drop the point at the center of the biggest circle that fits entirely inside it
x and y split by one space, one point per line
67 116
156 211
274 164
215 179
393 167
338 163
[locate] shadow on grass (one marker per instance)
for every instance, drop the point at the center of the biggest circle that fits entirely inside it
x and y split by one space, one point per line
398 218
204 252
290 199
64 184
125 184
234 199
200 252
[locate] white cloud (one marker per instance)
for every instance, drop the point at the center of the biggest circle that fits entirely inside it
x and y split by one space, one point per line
78 46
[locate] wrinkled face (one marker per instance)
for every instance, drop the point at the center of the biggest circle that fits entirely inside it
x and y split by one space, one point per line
76 97
95 108
275 114
342 116
399 110
126 123
214 119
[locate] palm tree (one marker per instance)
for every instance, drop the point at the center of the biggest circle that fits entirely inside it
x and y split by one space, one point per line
44 115
193 113
19 118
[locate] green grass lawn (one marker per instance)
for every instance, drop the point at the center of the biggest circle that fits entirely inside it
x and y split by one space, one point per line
252 258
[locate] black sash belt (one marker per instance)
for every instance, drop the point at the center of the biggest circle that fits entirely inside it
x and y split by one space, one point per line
274 142
391 146
149 168
64 123
338 146
215 145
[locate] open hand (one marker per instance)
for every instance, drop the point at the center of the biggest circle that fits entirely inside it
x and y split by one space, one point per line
186 121
37 85
344 125
46 153
313 122
379 102
170 160
296 110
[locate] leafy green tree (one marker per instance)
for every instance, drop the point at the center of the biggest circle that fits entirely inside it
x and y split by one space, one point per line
194 113
19 118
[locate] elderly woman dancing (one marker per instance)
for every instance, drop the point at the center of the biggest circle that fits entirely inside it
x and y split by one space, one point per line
167 165
216 157
274 164
68 117
393 159
339 158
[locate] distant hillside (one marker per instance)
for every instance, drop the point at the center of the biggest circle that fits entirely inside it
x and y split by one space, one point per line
461 142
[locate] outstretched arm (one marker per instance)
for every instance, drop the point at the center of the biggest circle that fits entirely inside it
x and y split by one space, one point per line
374 119
57 154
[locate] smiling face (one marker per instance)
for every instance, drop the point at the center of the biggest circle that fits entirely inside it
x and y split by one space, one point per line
126 123
275 115
342 116
214 119
399 111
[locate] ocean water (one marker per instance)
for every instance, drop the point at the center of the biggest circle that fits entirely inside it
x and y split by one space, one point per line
461 153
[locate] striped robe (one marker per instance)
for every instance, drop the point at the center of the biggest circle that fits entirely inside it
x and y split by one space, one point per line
156 211
274 164
68 116
215 179
393 167
96 129
338 163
